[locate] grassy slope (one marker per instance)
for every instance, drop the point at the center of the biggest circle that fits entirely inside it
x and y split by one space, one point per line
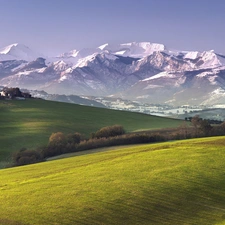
30 123
168 183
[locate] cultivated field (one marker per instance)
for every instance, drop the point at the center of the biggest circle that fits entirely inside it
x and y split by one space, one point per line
180 182
30 123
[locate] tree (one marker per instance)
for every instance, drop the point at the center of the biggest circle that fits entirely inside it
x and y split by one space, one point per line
57 139
56 145
74 138
25 156
201 125
110 131
196 123
183 130
205 127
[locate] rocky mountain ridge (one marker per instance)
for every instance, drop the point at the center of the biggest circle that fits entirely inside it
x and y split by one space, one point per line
146 72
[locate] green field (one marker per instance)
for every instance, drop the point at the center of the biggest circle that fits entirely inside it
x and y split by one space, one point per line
30 123
180 182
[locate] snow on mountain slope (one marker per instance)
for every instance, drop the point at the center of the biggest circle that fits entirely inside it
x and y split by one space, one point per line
84 61
215 97
162 61
160 75
7 49
18 52
80 54
144 71
211 60
192 55
133 49
88 59
204 60
96 74
176 88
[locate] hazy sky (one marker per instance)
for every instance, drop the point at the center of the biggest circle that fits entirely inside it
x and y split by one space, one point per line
57 26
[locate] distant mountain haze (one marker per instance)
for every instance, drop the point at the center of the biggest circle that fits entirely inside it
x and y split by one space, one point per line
140 71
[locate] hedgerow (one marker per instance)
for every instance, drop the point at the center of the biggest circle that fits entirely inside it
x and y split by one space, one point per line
60 143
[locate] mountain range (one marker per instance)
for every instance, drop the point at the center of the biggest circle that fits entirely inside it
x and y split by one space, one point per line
145 72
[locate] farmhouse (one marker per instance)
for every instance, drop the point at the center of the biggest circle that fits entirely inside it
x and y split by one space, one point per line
13 93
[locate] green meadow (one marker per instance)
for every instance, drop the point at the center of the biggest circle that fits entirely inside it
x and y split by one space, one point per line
180 182
30 123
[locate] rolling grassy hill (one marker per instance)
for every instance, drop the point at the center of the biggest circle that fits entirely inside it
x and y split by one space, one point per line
180 182
30 123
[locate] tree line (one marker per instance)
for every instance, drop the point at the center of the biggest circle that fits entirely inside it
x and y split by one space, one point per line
60 143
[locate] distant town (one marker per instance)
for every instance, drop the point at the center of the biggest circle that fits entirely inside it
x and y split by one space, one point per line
13 93
213 112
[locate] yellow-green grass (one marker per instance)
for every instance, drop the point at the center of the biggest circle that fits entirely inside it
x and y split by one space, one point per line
30 123
179 182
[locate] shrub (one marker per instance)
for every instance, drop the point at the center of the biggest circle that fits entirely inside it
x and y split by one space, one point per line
57 139
119 140
205 127
56 145
53 150
74 138
110 131
24 157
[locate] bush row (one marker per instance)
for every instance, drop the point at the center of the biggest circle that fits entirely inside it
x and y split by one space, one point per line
60 143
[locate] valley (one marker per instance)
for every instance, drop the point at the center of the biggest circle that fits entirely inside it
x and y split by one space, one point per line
29 123
213 112
145 72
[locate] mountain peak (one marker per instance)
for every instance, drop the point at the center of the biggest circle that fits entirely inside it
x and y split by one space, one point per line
103 46
140 71
18 51
133 49
8 48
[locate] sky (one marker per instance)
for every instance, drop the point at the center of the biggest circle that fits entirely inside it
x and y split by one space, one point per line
53 27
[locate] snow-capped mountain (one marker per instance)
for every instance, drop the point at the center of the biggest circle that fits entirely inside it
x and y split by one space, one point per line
133 49
18 52
147 72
